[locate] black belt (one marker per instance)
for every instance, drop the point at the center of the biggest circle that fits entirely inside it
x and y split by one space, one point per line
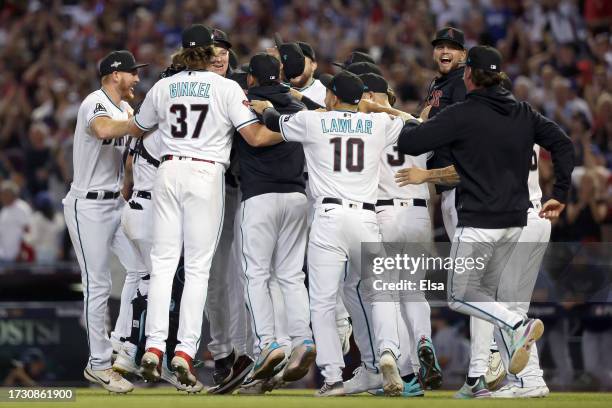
172 157
144 194
417 202
108 195
331 200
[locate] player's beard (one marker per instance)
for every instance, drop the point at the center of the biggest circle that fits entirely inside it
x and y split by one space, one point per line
127 89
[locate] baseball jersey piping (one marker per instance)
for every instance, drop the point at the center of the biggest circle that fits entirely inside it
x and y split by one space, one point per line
146 129
248 122
282 132
247 277
97 116
111 101
307 86
365 315
76 218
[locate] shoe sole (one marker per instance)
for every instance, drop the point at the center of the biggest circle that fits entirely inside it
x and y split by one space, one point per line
299 367
521 355
183 374
267 369
94 380
432 377
233 383
392 382
497 382
148 369
125 371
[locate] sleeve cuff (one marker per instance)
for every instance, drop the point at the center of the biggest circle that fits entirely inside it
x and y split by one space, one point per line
141 127
97 116
248 122
280 125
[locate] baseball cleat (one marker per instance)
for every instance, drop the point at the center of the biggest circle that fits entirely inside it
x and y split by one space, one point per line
496 372
392 381
411 389
110 380
125 363
345 329
150 364
514 391
251 387
478 390
274 383
182 365
331 390
169 377
223 368
300 361
240 370
521 341
430 372
363 380
266 364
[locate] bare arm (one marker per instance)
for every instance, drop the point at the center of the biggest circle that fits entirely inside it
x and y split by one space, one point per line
128 178
414 175
258 135
105 128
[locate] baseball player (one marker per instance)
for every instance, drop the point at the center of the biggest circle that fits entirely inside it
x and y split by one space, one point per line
311 92
228 344
273 232
343 149
493 198
196 112
92 207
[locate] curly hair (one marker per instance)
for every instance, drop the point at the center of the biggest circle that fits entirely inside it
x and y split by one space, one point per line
485 79
193 58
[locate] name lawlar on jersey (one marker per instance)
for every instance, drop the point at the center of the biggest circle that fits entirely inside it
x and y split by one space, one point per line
338 125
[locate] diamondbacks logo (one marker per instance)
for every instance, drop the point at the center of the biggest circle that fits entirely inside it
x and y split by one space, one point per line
99 108
450 33
287 117
434 98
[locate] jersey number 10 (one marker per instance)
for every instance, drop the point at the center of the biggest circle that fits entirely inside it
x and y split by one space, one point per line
180 129
354 154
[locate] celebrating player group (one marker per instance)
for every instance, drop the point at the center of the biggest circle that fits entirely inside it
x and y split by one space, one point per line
230 185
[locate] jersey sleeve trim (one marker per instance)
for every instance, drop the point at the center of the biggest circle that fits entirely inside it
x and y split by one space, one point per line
146 129
97 116
280 122
248 122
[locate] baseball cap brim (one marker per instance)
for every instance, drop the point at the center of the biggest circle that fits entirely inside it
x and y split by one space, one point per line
223 44
326 80
137 66
439 40
339 64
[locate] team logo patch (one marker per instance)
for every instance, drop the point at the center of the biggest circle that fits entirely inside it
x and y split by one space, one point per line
287 117
99 108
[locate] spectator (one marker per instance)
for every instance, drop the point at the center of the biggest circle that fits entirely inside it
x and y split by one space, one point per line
46 229
584 217
15 217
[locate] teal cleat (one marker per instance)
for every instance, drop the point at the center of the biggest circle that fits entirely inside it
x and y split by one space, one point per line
430 372
411 389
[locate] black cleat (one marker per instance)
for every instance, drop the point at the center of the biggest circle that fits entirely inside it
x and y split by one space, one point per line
240 370
223 368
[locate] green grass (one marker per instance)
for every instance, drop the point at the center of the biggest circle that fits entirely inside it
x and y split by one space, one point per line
167 397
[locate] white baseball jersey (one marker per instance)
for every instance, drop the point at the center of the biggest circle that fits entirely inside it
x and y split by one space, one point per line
196 113
391 162
143 172
315 92
533 182
342 150
98 164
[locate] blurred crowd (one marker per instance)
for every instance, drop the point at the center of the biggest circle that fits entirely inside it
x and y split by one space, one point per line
558 54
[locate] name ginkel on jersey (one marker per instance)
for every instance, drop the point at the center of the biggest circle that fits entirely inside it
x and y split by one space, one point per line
315 92
196 113
143 172
533 181
342 150
98 164
391 162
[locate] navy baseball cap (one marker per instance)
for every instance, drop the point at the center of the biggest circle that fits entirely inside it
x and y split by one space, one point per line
450 34
265 68
485 58
374 83
221 39
198 35
356 56
307 50
122 61
346 86
359 68
233 59
293 60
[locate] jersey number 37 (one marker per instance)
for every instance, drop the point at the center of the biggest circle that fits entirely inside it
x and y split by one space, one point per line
183 115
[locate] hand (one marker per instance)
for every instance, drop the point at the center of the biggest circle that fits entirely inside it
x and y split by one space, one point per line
410 175
260 106
425 113
296 94
552 209
130 113
320 110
